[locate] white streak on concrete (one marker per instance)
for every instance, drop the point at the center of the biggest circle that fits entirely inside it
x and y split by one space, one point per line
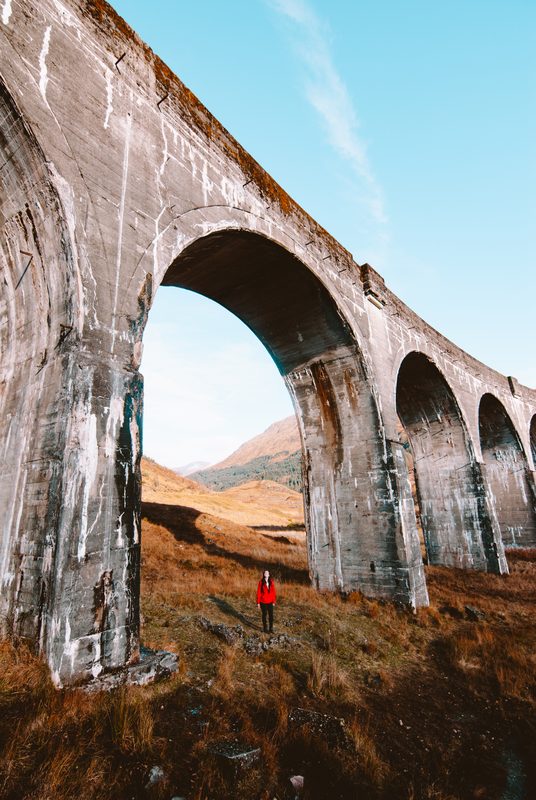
43 74
115 415
85 431
119 530
135 440
96 667
207 185
99 512
158 234
6 12
109 98
165 151
159 187
229 190
121 215
66 17
66 193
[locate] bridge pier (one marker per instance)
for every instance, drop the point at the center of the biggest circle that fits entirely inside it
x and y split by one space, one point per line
92 615
360 520
508 475
458 528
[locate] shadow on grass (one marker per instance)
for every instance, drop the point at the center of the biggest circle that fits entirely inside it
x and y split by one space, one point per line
181 522
292 526
231 611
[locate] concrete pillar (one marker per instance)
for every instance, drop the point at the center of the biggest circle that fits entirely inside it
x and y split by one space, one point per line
361 529
508 476
458 528
93 617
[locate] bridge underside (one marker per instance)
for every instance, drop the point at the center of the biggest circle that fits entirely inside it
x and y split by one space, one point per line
356 539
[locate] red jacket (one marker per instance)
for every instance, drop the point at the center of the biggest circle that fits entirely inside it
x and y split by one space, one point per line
266 594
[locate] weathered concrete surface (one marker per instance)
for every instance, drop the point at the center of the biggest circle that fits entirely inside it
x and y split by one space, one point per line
115 180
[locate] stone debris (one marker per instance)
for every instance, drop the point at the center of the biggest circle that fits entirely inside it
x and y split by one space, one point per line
229 634
156 775
152 666
253 644
331 729
234 754
474 614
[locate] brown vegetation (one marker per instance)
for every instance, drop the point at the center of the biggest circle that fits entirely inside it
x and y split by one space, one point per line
260 504
435 705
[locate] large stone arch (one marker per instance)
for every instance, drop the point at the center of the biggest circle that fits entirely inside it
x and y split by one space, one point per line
507 473
40 325
356 539
458 527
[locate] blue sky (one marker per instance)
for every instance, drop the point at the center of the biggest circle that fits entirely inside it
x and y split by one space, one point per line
407 129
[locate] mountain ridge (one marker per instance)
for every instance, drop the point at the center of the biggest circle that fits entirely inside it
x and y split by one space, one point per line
273 455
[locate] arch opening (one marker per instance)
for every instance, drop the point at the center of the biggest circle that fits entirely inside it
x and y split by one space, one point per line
507 472
344 476
209 386
451 501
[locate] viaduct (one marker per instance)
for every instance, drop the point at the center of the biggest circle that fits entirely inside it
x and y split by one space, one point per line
115 180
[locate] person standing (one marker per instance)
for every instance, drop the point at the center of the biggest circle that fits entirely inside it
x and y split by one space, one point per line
266 600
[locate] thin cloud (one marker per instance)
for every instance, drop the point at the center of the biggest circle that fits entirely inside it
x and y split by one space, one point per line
329 96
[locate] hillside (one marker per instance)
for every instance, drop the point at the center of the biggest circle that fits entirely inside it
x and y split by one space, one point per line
361 698
273 455
278 441
260 504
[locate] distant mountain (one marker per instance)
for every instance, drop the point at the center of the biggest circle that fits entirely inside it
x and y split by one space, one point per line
193 466
280 440
274 455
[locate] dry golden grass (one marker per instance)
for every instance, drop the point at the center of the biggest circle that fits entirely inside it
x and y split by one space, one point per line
363 740
256 503
327 679
431 700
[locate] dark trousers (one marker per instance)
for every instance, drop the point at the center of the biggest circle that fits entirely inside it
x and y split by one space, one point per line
267 610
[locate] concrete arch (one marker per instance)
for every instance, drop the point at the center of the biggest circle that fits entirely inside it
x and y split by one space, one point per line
507 473
39 327
457 527
300 323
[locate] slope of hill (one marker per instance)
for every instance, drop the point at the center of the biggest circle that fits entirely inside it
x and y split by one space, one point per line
273 455
278 441
260 504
